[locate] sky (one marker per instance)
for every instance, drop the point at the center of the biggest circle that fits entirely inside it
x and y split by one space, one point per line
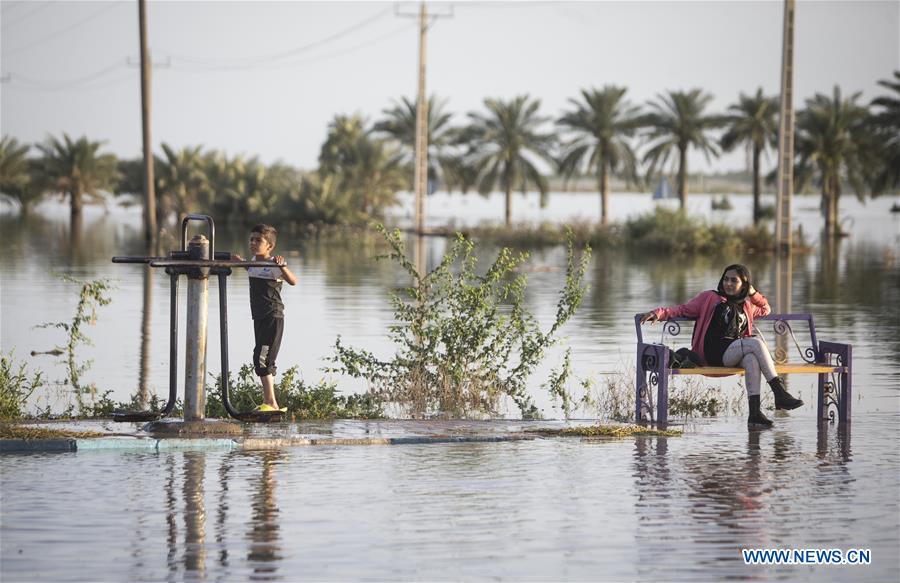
265 78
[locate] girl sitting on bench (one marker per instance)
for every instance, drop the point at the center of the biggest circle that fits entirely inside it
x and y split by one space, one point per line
722 335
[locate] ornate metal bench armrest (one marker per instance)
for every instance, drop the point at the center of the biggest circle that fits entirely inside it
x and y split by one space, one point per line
843 352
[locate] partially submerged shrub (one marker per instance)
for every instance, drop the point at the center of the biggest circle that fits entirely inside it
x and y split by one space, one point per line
613 397
671 231
93 294
303 401
463 340
16 386
674 231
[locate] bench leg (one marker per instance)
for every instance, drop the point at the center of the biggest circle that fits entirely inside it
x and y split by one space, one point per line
639 385
662 391
821 407
662 401
844 390
652 363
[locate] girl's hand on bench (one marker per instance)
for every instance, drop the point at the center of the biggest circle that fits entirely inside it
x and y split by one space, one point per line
649 317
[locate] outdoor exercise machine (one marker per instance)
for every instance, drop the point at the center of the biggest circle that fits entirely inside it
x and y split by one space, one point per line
197 260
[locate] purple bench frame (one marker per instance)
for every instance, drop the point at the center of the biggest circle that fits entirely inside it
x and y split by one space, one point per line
834 387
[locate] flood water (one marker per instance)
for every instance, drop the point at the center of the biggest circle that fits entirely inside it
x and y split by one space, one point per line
634 509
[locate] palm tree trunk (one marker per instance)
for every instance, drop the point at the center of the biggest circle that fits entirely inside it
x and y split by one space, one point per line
75 203
756 185
682 176
833 206
604 193
828 195
507 174
508 204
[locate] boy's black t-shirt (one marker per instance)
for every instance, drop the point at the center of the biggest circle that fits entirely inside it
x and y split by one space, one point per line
265 292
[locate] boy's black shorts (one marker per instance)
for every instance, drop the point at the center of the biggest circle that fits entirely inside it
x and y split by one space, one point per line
268 333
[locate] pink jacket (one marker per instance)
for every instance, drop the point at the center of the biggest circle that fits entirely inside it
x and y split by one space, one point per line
702 308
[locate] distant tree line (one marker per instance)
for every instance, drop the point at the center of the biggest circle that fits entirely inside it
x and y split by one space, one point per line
840 143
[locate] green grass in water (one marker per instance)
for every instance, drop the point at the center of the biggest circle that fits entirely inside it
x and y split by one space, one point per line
8 431
606 431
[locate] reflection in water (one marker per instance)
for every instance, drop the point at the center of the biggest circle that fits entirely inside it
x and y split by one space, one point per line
146 320
194 514
188 559
194 511
781 300
222 507
833 447
264 533
171 521
735 499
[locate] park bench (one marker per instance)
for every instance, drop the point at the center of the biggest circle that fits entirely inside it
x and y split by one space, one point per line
830 360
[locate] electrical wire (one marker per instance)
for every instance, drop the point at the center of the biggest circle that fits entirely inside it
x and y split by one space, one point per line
130 77
68 83
221 63
293 64
26 15
86 82
58 33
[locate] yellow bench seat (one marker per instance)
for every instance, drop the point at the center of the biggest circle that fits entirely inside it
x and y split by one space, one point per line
787 368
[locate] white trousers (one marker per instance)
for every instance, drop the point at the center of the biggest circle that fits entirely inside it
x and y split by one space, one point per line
753 356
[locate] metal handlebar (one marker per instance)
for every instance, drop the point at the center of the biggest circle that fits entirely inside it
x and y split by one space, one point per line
212 231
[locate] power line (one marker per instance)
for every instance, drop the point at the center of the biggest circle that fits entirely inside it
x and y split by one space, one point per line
84 82
58 33
68 83
223 63
28 14
7 6
128 78
291 64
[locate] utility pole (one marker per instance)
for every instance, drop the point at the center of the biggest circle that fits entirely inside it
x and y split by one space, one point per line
783 234
420 176
149 189
786 134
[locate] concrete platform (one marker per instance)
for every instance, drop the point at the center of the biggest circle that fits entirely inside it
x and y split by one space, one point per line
176 435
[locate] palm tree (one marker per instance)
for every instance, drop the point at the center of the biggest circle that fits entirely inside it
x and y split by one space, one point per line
15 173
886 125
752 122
182 182
504 146
400 125
366 168
678 123
834 138
603 124
76 170
338 150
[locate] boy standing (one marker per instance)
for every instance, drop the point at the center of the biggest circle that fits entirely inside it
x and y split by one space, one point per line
267 308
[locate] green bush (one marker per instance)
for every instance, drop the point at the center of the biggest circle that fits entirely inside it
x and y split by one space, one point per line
303 401
463 340
673 231
16 386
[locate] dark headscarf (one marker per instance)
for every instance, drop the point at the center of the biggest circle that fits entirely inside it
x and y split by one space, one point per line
744 273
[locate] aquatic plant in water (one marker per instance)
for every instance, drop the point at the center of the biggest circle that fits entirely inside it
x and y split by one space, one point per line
303 400
93 295
463 340
16 386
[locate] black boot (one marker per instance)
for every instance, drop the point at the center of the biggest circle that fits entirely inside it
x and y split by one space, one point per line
783 399
756 417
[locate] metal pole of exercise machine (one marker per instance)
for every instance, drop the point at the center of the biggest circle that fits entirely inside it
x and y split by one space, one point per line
196 333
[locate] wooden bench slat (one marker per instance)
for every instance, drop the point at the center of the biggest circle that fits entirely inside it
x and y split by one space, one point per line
789 368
